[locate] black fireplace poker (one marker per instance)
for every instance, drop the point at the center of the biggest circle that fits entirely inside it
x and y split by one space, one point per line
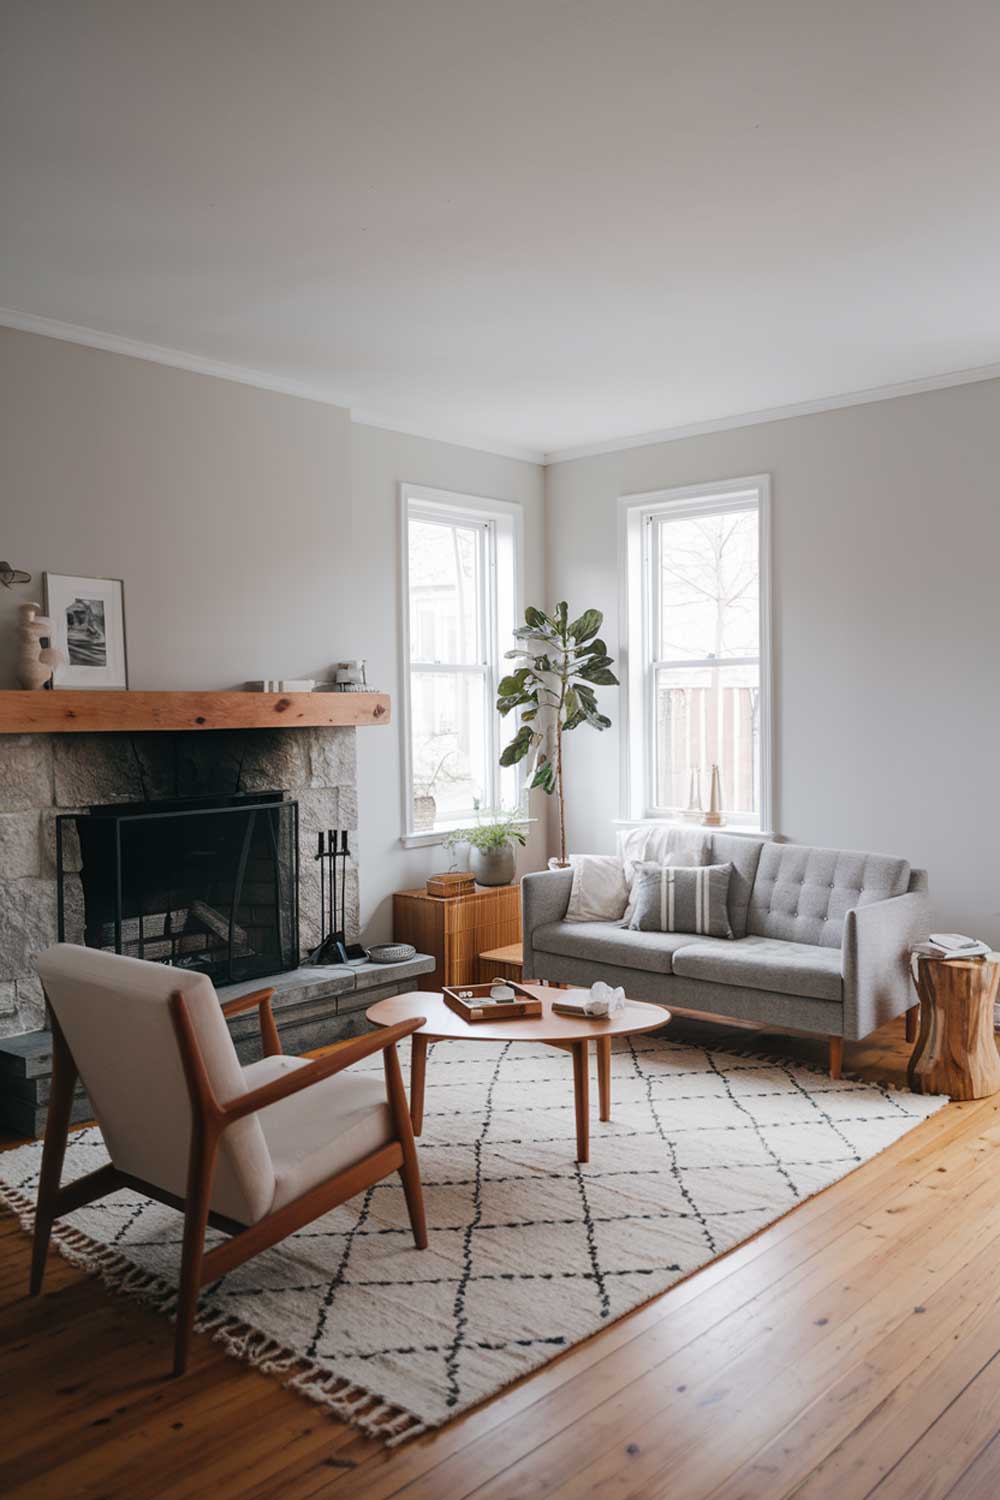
333 853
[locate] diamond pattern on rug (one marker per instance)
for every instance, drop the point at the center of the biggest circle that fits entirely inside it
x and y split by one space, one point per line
529 1251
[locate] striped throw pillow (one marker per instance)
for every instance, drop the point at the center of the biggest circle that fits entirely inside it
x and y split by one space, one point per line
680 898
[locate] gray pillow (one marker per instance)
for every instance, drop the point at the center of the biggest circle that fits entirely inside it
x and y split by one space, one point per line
678 898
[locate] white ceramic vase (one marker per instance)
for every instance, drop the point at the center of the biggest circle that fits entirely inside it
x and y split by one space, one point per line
35 662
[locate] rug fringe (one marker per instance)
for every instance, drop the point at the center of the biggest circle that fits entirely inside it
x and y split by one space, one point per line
355 1404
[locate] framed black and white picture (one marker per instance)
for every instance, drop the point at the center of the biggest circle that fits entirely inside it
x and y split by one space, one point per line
88 621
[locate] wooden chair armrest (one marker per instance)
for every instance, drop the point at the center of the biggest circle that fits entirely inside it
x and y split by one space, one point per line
268 1031
298 1079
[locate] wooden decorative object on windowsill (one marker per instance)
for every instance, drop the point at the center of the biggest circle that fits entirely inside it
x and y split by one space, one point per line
456 929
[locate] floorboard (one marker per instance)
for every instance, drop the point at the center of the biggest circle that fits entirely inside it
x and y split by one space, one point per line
850 1350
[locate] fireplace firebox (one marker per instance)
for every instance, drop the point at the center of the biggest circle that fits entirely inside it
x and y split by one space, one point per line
206 883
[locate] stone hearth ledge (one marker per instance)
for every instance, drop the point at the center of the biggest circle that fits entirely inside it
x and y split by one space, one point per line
313 1006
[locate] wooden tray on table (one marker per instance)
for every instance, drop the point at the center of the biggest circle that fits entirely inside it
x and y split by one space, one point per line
472 1002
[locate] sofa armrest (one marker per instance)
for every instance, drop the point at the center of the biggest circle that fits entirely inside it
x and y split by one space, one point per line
544 898
876 959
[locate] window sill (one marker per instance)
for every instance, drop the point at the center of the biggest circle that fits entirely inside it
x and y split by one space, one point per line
748 829
425 838
428 836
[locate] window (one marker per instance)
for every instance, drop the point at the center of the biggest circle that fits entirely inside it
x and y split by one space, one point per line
459 579
698 659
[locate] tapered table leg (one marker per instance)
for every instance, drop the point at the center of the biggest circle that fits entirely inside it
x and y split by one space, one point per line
604 1075
581 1092
418 1073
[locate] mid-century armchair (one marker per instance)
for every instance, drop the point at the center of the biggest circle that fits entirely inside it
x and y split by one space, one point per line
255 1151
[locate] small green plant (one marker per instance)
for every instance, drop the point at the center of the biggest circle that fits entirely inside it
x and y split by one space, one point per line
503 828
563 662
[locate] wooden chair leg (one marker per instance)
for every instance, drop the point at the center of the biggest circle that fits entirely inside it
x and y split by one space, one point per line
201 1165
912 1017
836 1055
409 1172
64 1076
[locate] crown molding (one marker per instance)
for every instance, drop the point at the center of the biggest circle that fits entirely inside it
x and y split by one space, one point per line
160 354
362 418
199 364
777 413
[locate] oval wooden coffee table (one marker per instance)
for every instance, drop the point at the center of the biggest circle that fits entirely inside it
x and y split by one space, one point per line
566 1032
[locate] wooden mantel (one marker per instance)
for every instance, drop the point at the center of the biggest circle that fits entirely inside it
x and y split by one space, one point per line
71 712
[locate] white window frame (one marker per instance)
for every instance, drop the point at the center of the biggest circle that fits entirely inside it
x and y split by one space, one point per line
501 524
637 633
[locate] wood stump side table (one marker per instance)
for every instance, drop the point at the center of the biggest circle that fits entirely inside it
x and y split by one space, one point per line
956 1051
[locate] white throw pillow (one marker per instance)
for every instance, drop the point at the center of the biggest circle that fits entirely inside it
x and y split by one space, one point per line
599 891
661 844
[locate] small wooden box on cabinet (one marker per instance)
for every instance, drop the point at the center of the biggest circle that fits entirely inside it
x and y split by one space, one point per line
456 929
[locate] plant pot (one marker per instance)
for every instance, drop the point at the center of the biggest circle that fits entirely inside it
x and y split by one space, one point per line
492 866
555 863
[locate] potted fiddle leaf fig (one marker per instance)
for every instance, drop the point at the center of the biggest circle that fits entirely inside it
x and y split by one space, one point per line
562 662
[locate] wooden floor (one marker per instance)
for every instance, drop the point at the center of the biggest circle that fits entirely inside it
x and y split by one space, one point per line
852 1349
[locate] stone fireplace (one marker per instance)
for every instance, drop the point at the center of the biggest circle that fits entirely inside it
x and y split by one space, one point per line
43 776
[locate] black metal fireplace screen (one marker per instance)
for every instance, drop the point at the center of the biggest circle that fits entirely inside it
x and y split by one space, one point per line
210 884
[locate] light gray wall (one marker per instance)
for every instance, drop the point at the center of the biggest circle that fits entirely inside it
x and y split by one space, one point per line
226 510
886 539
256 534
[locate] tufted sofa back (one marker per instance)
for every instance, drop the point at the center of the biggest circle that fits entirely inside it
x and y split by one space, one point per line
801 894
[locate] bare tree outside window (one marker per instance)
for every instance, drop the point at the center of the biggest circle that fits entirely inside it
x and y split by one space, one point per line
448 688
706 650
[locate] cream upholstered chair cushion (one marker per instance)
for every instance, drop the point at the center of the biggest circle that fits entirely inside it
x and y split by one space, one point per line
324 1130
115 1015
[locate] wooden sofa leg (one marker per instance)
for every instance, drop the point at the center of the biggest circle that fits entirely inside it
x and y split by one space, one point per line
836 1055
912 1016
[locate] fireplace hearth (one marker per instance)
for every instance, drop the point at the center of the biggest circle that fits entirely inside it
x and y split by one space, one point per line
202 883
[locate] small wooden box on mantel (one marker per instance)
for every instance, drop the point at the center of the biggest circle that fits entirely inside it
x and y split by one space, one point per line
456 929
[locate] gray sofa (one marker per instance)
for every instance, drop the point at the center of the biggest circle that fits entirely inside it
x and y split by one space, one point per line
822 941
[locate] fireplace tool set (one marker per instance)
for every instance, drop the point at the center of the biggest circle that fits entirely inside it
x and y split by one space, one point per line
333 948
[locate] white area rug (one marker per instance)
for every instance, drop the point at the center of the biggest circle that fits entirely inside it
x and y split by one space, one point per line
529 1253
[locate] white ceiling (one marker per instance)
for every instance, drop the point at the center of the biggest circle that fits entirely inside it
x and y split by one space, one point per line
527 225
